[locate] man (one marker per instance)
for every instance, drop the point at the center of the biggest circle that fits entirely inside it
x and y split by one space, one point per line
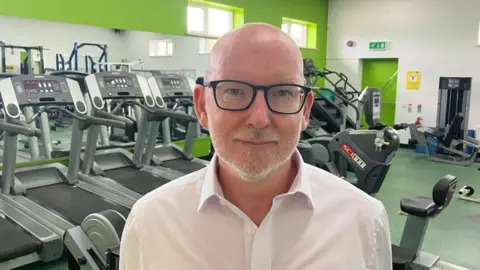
257 205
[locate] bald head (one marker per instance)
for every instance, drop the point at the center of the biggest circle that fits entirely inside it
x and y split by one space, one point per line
256 53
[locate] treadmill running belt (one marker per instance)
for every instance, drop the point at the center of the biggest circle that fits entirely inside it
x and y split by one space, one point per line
15 242
141 182
72 203
183 165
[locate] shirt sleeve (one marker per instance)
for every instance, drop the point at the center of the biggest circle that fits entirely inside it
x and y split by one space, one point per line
383 243
130 249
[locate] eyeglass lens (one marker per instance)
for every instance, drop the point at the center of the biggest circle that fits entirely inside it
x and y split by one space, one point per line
237 96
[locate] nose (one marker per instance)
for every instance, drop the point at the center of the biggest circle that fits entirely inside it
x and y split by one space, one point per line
259 114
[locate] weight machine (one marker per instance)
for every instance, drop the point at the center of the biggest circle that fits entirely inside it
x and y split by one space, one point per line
90 64
27 66
448 147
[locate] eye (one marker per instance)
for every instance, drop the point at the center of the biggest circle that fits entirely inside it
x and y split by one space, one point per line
284 93
233 91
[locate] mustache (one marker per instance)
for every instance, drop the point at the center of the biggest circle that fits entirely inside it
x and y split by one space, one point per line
256 134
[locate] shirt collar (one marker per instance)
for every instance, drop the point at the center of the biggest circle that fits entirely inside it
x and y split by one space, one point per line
211 188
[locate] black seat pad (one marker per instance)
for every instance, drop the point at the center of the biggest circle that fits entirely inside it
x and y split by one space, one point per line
419 206
437 134
402 257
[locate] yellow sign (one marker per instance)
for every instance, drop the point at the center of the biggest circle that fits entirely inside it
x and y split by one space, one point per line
413 80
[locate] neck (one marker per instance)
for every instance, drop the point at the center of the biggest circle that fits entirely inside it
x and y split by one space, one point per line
255 198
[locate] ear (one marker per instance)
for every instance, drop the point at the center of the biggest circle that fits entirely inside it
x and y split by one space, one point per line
199 105
307 109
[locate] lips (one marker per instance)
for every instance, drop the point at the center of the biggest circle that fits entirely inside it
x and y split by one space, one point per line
256 142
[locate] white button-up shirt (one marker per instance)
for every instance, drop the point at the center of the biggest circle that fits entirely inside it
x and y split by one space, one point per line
323 222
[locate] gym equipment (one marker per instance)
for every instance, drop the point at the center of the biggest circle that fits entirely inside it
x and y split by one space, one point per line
447 146
52 193
368 105
368 154
95 244
24 240
365 153
419 212
27 66
116 169
123 138
21 156
90 64
466 192
172 87
453 99
330 114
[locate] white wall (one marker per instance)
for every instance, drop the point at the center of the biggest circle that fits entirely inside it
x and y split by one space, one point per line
132 45
57 38
437 38
185 52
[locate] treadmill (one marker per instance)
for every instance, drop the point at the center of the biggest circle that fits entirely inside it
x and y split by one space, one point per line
23 240
172 87
52 193
22 156
119 170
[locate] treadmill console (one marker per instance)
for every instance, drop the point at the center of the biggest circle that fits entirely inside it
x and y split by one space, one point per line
117 85
173 86
40 90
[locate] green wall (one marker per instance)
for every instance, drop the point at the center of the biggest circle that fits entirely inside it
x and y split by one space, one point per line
376 73
169 16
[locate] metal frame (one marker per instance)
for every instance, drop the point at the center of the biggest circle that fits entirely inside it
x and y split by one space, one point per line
157 155
51 248
17 182
94 161
28 49
420 135
451 84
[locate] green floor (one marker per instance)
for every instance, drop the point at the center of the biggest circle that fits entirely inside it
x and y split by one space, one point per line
458 227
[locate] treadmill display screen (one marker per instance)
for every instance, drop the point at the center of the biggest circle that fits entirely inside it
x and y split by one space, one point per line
118 82
172 83
35 87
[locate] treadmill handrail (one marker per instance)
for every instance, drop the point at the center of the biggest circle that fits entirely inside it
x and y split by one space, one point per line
19 128
161 114
99 121
117 121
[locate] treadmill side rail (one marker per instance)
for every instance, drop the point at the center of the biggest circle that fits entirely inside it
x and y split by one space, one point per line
53 222
20 261
169 152
52 246
110 185
119 199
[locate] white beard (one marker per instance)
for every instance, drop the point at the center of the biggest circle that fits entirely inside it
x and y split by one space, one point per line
256 167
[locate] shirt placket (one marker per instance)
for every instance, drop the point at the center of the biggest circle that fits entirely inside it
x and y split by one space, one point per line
261 258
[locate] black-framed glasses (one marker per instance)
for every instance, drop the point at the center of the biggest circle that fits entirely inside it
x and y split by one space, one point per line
232 95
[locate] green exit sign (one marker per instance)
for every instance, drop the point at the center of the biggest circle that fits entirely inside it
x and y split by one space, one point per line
378 45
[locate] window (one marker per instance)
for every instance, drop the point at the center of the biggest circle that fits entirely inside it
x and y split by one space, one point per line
206 45
161 48
208 21
297 31
478 38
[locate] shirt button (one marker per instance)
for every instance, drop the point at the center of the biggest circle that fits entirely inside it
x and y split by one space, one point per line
251 231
